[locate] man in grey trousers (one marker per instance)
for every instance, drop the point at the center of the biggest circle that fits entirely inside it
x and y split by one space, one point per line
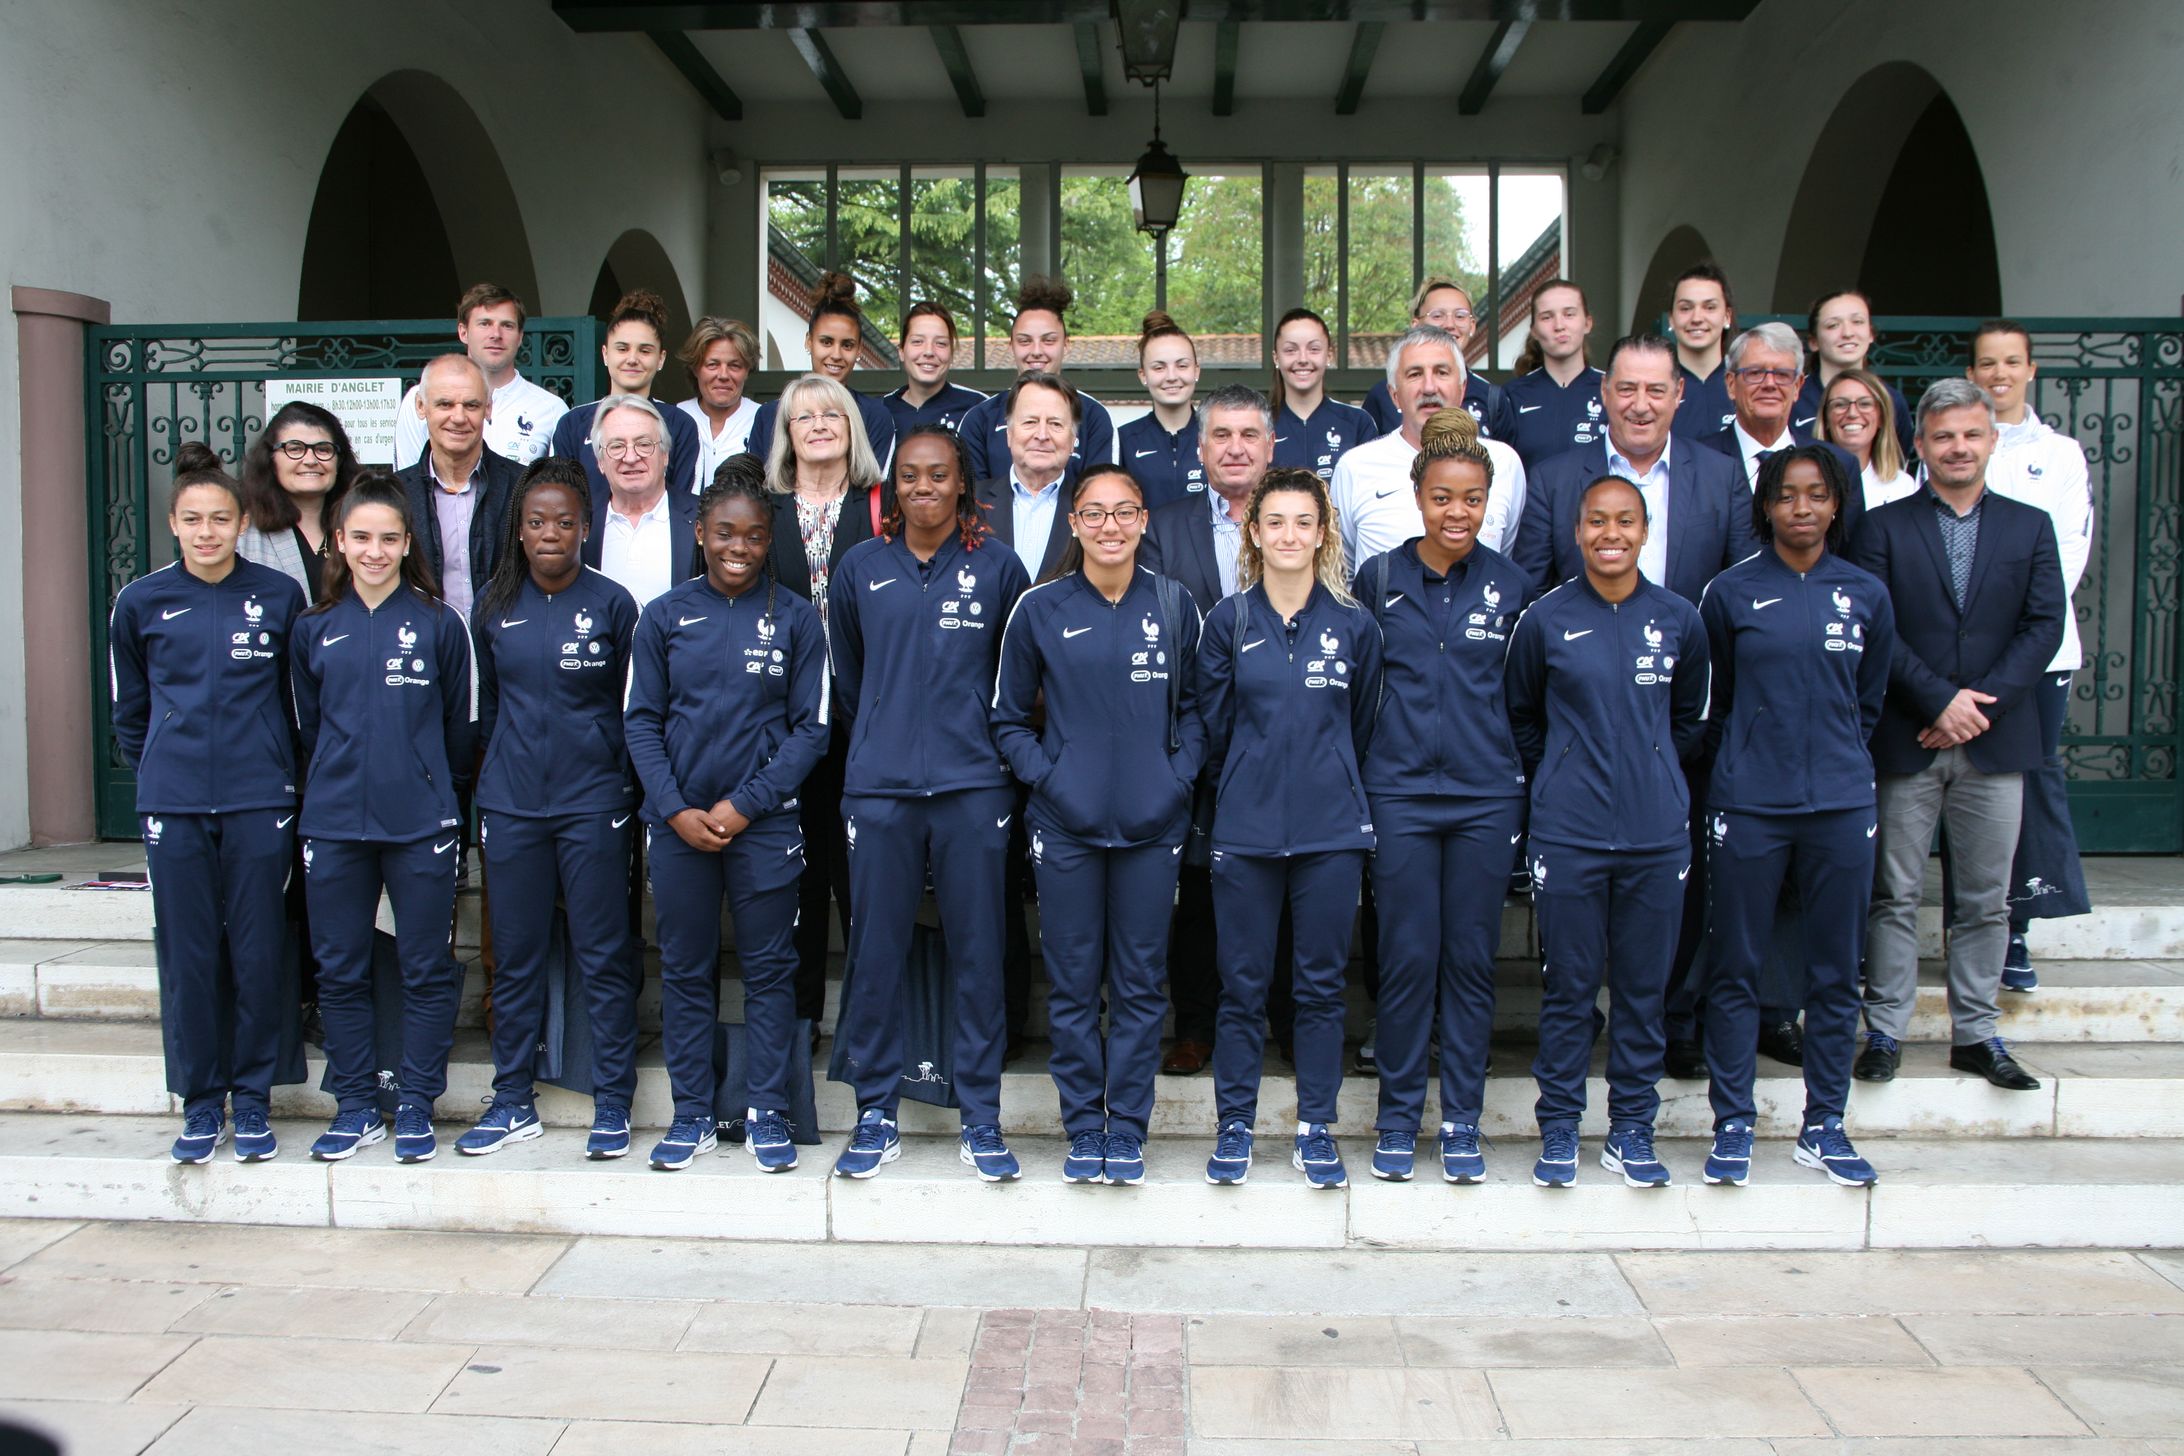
1978 589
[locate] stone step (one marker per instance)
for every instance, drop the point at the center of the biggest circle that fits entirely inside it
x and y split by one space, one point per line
2089 1090
1952 1193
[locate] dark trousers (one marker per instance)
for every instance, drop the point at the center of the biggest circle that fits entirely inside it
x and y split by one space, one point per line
1830 859
1604 918
584 857
344 878
1685 999
1320 891
825 882
1103 926
1017 890
218 930
1194 963
757 873
964 837
1440 875
2047 877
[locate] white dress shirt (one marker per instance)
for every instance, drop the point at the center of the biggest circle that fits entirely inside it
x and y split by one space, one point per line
520 428
1749 450
1376 511
1653 486
1032 516
1879 492
734 437
640 554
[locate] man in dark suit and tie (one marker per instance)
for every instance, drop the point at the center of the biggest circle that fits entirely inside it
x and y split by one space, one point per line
1030 508
1977 583
1766 368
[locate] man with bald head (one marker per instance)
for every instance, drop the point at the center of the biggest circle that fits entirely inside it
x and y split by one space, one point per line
458 490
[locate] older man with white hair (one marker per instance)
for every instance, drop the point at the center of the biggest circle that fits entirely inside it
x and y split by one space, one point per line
1766 368
643 535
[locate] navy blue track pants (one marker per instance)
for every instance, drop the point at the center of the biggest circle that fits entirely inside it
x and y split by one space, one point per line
343 879
1248 894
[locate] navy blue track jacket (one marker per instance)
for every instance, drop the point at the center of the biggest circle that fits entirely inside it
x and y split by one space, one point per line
1606 700
1166 467
949 404
1553 419
727 700
1315 444
916 645
1102 771
1800 668
551 673
386 707
202 710
1443 729
1289 712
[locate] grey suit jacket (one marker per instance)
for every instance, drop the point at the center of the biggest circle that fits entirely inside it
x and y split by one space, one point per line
277 550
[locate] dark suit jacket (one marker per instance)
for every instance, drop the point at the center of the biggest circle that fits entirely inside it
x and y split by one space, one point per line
2000 643
488 518
994 497
1725 440
791 567
1709 517
1179 543
682 510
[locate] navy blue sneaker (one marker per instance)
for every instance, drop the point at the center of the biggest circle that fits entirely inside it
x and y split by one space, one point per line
873 1143
1824 1145
1461 1160
983 1150
203 1129
609 1133
688 1138
1123 1162
348 1132
1317 1157
1557 1165
504 1122
1731 1159
254 1140
413 1139
1231 1160
1395 1155
1629 1151
1086 1160
766 1134
2017 972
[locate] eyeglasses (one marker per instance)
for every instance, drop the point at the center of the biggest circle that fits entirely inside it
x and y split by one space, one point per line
316 449
805 420
1448 315
630 449
1849 406
1094 517
1767 376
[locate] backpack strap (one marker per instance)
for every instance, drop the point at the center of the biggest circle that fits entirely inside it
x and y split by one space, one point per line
1171 609
1380 620
1243 625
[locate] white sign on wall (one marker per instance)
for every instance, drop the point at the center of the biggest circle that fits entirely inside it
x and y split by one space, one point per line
365 406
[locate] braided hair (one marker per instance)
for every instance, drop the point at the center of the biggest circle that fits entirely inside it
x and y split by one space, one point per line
970 515
513 566
1450 434
741 477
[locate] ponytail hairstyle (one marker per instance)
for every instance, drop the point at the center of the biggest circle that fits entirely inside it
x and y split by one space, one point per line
197 463
1450 434
1158 325
836 294
1072 559
512 567
1041 292
641 306
1326 561
741 477
1279 394
1529 358
375 487
270 508
970 516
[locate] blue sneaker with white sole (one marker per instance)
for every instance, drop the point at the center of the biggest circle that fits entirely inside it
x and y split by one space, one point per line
1825 1146
1730 1161
687 1140
1395 1156
1123 1163
254 1140
1557 1165
766 1134
1629 1151
504 1122
1086 1160
1317 1157
2017 971
609 1133
872 1143
413 1137
1461 1160
984 1151
203 1130
348 1132
1230 1164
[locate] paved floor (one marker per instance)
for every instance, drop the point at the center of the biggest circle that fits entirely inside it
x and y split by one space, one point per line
223 1339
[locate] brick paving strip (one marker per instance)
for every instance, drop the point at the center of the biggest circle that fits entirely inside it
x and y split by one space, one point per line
1073 1382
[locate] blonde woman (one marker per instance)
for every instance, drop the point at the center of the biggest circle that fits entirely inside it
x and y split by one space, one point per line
1289 684
1858 414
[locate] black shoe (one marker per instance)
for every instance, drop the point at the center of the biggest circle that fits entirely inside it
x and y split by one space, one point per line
1877 1063
1686 1060
1783 1041
1991 1059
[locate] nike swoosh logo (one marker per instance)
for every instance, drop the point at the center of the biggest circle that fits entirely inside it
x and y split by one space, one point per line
1384 494
1525 409
1003 821
1249 645
1391 601
282 823
516 623
330 641
876 585
1573 636
1281 439
1069 632
1141 454
617 824
170 616
1869 832
1515 837
686 621
1682 872
1757 604
444 848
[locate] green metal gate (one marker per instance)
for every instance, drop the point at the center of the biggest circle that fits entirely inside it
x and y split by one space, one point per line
150 389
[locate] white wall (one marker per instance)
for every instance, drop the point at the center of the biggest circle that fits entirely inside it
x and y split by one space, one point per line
2075 112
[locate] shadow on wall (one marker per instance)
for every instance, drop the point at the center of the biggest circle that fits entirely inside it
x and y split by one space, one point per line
1682 248
638 261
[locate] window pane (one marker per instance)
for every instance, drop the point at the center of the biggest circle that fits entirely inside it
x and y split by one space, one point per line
1004 260
1379 255
1215 264
942 246
1322 246
1456 242
868 229
1108 262
794 206
1529 250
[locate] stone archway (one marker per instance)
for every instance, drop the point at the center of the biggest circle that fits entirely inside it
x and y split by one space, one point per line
1681 249
636 260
